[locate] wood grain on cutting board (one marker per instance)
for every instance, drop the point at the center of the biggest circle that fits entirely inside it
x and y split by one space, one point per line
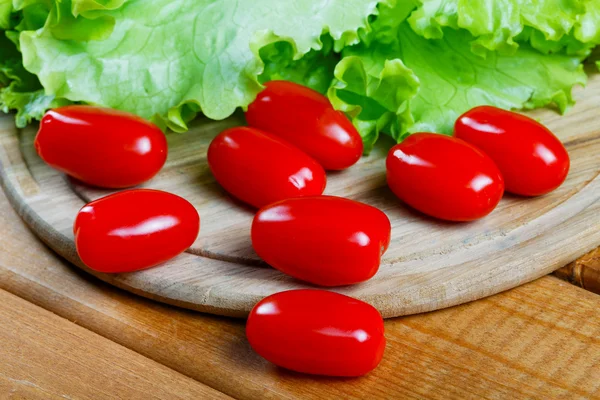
430 264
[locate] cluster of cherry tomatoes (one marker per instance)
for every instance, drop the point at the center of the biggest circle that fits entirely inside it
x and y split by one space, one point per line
277 165
463 178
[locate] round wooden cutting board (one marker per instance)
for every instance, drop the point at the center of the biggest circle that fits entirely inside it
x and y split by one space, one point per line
430 264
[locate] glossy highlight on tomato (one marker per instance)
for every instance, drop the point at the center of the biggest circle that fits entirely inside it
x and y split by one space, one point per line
259 168
444 177
134 229
307 119
100 146
532 160
325 240
317 332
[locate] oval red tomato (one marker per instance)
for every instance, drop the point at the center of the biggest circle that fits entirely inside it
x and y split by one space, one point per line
260 169
444 177
317 332
532 160
306 119
325 240
100 146
134 229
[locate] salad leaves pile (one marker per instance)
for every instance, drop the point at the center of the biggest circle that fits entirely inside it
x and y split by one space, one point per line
395 66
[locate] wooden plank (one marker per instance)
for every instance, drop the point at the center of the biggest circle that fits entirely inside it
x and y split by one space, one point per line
584 272
44 356
539 340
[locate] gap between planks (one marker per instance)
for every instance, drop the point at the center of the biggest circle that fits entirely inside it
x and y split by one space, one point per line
584 272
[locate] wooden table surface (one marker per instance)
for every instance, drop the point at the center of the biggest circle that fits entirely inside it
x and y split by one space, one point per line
67 335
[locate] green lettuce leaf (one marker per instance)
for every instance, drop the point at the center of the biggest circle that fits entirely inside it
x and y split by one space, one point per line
169 59
405 65
20 91
587 29
391 14
87 7
68 20
5 13
314 70
452 80
28 105
499 24
375 92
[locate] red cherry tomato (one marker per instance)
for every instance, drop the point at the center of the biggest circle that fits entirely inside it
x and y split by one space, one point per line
134 229
325 240
444 177
260 169
100 146
532 160
317 332
306 119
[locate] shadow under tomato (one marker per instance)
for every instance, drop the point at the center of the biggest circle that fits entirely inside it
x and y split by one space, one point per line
247 359
410 213
289 374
